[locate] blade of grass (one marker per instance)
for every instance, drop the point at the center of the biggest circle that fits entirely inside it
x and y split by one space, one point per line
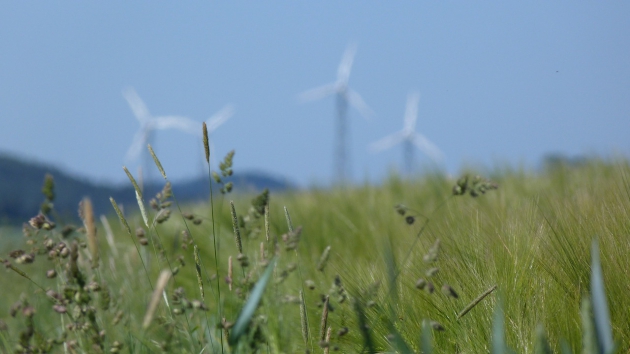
601 315
246 314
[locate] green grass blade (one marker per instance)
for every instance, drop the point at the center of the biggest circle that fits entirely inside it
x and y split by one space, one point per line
252 303
426 343
542 344
498 331
589 338
368 342
601 315
565 348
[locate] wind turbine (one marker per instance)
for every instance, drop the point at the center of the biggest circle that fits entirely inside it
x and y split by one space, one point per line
344 96
409 137
149 123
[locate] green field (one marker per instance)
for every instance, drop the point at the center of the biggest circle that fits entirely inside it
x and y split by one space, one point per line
531 237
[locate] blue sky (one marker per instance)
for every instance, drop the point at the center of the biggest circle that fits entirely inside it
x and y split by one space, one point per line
499 82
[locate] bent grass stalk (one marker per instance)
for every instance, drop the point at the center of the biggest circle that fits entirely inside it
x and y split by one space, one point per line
474 303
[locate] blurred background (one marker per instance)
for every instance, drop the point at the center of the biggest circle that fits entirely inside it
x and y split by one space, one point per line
504 83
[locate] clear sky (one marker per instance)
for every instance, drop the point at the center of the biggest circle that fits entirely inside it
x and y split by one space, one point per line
500 82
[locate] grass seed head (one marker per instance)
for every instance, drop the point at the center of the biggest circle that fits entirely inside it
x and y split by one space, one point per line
430 287
437 326
433 271
157 161
237 232
323 260
324 320
133 181
421 283
198 271
449 291
206 145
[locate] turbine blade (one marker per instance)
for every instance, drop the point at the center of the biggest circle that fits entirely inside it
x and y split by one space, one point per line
387 142
345 66
411 112
139 140
219 118
427 147
176 122
317 93
356 100
138 107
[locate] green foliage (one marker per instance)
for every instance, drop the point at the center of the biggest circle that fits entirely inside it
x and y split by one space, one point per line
371 271
246 314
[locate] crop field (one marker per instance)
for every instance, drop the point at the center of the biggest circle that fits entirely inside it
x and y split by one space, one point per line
490 261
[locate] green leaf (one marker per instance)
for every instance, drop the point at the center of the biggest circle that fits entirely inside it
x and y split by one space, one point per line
498 331
565 348
589 338
240 327
601 315
426 343
542 345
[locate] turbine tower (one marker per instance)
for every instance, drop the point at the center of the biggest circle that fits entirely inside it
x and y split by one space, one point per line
344 96
409 137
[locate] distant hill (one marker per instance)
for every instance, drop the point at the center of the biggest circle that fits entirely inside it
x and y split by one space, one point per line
21 183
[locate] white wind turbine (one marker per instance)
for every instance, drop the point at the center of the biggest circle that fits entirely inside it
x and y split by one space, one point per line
149 123
344 96
409 137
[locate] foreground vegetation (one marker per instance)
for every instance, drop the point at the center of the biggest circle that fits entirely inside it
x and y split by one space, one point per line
410 266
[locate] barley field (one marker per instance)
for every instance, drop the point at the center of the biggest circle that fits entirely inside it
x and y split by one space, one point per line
493 261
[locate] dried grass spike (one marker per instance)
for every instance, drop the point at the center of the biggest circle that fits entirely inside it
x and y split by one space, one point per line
90 227
157 161
155 298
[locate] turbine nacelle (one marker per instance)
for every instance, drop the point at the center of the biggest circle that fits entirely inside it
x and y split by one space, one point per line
409 135
340 86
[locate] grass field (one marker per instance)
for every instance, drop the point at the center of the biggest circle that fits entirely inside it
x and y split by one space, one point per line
531 237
